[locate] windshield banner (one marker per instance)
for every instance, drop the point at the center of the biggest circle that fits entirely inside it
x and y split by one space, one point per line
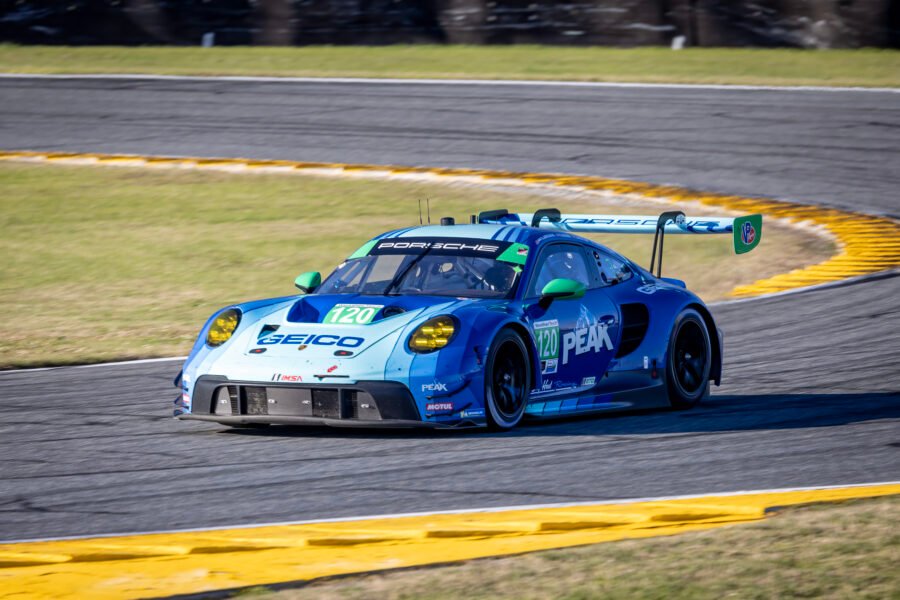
453 246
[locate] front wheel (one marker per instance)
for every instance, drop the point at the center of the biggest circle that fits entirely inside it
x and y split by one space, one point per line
688 365
507 381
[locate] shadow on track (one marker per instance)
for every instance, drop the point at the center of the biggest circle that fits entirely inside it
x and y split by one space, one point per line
717 414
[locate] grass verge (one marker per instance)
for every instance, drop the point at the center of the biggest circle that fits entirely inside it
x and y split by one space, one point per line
848 550
106 263
870 67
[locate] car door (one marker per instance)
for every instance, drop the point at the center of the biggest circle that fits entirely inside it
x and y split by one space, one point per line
606 271
574 338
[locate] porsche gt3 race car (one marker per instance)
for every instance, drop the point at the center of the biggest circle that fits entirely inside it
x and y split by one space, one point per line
508 317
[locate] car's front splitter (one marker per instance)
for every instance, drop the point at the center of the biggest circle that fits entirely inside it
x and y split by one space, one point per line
359 404
313 421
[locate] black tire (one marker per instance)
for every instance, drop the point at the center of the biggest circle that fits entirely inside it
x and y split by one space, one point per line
689 360
507 381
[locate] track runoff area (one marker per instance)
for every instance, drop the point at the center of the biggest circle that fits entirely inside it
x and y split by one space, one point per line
197 561
194 562
867 244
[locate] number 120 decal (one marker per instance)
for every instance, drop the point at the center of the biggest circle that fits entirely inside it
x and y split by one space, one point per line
546 335
352 314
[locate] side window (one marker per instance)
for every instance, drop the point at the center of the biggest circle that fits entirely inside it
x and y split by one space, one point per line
611 269
559 261
346 276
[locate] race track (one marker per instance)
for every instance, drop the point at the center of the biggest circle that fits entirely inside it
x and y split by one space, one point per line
812 384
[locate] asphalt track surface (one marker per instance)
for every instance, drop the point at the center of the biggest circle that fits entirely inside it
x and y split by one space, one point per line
812 380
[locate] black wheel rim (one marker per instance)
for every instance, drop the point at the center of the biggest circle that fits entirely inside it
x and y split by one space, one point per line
508 380
690 358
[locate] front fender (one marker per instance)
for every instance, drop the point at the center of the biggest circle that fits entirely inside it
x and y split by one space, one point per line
449 383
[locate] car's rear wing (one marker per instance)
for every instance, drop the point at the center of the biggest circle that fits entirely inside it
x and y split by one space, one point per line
746 231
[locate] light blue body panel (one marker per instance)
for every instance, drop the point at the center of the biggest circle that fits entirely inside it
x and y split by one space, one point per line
284 340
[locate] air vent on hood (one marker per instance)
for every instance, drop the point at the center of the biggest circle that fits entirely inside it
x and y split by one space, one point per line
392 311
267 329
303 312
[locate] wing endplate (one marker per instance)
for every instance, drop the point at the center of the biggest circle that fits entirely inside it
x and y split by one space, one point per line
746 231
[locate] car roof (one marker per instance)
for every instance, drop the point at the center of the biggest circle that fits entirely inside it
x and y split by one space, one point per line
503 233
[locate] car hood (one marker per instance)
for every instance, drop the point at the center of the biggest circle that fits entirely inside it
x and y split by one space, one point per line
303 339
361 309
349 325
329 334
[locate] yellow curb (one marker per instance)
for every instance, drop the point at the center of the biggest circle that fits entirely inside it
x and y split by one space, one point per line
866 244
201 561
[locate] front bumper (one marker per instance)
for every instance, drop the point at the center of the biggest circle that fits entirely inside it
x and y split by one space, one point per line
313 421
361 404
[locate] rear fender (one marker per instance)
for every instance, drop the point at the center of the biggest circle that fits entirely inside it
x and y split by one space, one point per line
715 339
663 315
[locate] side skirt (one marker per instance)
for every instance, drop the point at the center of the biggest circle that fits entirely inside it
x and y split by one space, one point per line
591 402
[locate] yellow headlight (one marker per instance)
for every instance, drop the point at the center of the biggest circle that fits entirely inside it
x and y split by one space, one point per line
223 327
433 334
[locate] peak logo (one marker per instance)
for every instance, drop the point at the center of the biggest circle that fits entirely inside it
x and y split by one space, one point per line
587 339
434 387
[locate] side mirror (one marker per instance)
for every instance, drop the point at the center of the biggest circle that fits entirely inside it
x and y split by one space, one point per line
562 289
308 282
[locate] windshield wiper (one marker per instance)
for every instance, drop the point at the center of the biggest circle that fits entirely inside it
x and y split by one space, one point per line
400 276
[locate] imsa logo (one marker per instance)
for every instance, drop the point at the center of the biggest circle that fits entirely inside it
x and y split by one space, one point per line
283 377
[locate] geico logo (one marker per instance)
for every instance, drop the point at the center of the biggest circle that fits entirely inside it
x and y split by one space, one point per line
592 338
439 246
311 338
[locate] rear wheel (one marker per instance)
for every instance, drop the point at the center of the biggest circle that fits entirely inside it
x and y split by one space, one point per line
688 365
507 381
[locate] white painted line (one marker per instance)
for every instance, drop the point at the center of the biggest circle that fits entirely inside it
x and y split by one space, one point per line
494 509
821 286
131 362
472 82
95 365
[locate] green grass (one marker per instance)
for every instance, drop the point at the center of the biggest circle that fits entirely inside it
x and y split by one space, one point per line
868 67
105 263
833 551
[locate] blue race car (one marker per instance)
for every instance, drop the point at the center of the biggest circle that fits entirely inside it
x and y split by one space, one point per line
482 324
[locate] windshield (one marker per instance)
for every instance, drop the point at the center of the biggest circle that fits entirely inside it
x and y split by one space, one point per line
423 273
